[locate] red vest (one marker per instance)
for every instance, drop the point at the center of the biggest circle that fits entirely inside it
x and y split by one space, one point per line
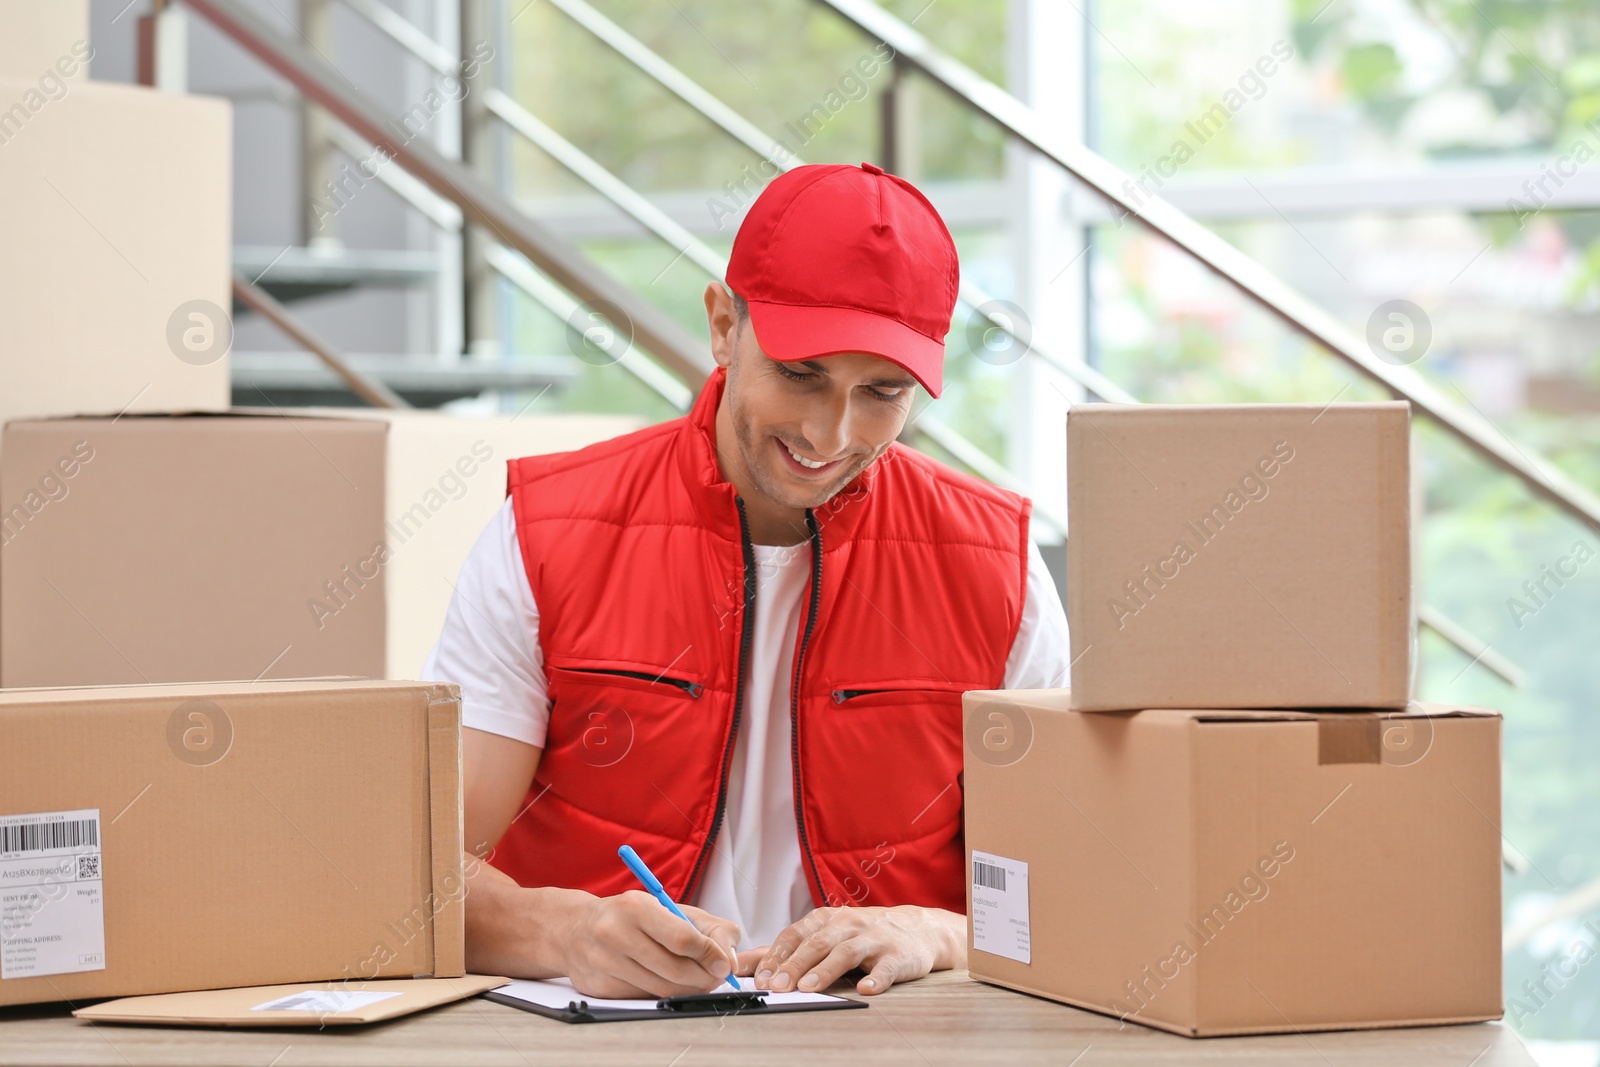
640 561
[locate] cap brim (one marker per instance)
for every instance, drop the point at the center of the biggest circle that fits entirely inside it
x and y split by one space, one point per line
789 332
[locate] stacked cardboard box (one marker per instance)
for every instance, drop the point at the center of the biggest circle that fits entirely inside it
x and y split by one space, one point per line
1254 556
117 231
1252 828
286 543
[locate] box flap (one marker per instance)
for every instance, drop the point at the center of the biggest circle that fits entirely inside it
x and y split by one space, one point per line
1441 711
1147 411
1414 710
1060 700
1214 715
238 1007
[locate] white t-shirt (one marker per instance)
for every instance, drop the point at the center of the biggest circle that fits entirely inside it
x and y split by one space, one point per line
490 648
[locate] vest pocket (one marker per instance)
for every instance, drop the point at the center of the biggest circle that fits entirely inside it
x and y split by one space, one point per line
879 693
882 760
601 716
641 680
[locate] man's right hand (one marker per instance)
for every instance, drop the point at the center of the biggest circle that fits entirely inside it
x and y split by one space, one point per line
622 946
631 946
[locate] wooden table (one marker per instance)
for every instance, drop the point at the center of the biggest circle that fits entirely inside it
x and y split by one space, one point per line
944 1019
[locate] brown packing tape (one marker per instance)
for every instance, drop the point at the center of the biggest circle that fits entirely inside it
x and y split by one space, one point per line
1349 737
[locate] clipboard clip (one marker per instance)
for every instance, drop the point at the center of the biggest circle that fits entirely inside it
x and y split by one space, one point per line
718 1003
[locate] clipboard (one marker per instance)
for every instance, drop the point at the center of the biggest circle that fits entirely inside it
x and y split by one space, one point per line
556 999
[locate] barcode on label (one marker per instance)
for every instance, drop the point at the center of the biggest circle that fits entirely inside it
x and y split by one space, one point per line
40 836
988 876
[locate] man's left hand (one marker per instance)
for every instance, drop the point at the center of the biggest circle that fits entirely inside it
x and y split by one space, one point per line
890 944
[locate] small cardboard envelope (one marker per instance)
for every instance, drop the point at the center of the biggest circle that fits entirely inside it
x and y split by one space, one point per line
304 1004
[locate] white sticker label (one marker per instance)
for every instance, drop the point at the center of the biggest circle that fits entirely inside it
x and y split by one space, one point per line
52 909
324 1001
1000 907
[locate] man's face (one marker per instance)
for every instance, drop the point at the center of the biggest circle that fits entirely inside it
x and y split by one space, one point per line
805 430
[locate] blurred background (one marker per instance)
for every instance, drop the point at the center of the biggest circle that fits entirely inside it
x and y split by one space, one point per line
1440 153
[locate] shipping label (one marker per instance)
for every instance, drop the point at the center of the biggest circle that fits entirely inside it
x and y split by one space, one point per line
1000 907
52 908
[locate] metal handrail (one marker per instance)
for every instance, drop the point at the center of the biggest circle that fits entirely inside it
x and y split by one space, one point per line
770 149
400 30
513 267
479 203
607 184
674 81
516 270
1249 277
263 303
1569 906
441 212
1471 645
1243 273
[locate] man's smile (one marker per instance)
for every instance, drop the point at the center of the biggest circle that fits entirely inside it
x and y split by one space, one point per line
805 466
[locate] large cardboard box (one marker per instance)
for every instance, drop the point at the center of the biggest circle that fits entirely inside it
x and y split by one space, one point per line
258 543
1239 556
116 249
1235 872
46 41
175 837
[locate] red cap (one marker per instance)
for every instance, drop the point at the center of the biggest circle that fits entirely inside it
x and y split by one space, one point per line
833 258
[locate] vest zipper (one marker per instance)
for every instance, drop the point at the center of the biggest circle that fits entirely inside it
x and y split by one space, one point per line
693 689
841 696
747 630
794 696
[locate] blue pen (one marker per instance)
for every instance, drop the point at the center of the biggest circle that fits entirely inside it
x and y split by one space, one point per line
652 885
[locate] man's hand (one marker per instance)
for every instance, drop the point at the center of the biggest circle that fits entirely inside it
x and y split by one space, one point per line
630 946
622 946
891 944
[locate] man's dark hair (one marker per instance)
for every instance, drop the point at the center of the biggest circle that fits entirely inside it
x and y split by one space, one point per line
740 308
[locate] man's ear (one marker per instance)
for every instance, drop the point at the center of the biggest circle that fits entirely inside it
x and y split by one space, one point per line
723 321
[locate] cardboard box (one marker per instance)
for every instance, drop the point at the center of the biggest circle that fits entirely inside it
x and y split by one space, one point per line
1239 556
188 548
163 838
1236 872
117 236
36 36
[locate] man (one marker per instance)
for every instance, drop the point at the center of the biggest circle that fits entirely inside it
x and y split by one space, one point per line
738 640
